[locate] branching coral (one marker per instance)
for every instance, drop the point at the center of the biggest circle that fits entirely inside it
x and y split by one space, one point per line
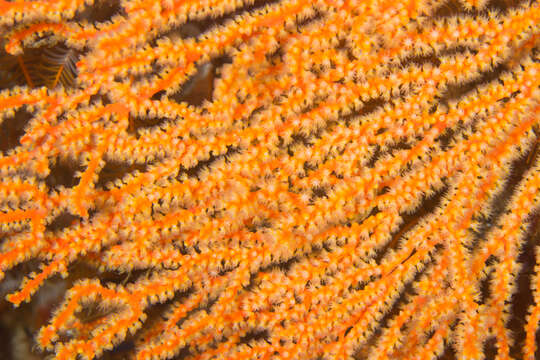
353 179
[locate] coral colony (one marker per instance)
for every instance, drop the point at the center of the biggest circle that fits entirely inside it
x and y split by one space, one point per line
286 179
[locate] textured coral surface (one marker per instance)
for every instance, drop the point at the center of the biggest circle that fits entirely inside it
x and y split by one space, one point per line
324 179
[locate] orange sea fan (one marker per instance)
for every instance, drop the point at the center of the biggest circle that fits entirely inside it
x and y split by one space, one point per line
353 179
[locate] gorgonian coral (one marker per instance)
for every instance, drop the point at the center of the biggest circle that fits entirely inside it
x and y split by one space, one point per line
273 179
